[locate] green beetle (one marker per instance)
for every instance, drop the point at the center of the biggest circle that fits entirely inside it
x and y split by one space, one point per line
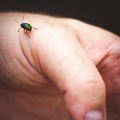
26 27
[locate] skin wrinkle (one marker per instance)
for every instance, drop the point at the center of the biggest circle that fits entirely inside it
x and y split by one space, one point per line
43 80
18 64
29 62
106 61
105 68
108 57
96 58
101 64
22 70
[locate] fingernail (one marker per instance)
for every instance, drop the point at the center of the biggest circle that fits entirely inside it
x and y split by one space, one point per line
94 115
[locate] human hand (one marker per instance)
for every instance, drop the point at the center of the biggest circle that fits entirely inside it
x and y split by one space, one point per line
65 65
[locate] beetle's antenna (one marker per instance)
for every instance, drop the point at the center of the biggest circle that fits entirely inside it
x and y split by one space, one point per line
16 21
22 18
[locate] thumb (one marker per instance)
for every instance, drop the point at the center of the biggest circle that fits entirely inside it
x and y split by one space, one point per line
66 64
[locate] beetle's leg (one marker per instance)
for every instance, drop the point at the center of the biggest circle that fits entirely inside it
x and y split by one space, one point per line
19 29
26 33
35 28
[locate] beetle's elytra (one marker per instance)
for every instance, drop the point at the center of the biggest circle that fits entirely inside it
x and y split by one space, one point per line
26 26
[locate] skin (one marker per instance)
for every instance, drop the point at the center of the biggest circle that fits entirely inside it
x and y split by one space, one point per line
64 70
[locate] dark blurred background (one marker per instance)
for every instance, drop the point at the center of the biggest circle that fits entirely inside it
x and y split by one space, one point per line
103 13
